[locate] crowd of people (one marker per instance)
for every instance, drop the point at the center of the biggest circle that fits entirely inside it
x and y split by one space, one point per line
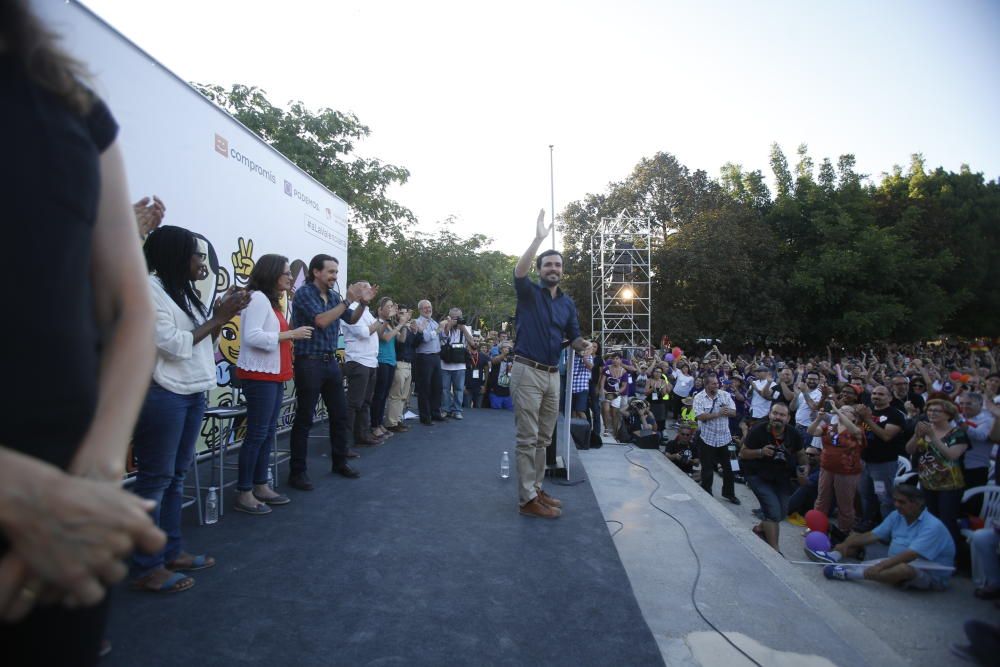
834 433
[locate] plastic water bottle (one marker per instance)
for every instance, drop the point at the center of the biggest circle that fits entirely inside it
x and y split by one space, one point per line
505 466
212 506
270 478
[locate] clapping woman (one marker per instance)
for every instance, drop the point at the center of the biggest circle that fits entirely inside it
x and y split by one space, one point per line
172 413
939 447
264 365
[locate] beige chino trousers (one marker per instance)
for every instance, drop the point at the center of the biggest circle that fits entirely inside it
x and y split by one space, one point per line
535 394
399 393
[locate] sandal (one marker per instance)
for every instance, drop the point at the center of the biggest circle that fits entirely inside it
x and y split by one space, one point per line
258 509
186 562
174 583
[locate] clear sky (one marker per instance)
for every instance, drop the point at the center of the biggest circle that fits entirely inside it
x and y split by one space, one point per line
469 95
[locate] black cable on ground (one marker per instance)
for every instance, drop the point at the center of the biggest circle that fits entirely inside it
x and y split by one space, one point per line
620 524
694 587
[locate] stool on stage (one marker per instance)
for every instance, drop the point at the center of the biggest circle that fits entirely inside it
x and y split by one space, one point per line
223 418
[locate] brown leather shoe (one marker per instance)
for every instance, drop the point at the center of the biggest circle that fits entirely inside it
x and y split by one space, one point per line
537 508
398 428
367 441
549 500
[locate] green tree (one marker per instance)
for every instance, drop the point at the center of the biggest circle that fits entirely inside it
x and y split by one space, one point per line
321 143
445 268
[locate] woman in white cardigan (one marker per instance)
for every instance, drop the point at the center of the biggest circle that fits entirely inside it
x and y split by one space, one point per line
171 416
264 365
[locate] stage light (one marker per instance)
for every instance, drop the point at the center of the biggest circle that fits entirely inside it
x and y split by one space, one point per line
628 294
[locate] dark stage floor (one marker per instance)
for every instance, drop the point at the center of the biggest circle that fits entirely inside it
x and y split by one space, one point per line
422 561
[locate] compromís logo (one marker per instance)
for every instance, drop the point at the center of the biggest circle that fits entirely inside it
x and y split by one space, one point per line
223 148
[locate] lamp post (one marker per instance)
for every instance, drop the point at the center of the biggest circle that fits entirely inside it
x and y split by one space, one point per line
552 191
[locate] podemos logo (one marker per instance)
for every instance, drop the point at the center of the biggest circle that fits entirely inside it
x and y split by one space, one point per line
288 188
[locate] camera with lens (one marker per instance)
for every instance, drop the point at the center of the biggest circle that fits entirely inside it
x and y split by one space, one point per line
779 454
461 320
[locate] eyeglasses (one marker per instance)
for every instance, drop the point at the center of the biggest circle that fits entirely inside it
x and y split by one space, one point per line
287 273
200 255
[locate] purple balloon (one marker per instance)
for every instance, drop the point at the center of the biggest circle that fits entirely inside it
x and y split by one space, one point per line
669 356
817 541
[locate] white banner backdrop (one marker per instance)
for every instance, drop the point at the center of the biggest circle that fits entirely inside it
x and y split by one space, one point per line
217 178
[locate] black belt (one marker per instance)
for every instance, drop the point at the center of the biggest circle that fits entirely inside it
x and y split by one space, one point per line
329 356
535 364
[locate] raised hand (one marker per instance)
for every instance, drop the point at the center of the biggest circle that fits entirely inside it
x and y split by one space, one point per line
148 215
541 229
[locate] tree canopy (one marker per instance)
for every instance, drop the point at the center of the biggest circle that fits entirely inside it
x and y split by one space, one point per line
828 256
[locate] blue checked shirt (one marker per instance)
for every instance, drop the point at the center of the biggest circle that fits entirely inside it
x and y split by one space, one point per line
581 374
306 305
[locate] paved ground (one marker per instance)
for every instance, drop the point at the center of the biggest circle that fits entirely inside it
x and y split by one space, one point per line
782 613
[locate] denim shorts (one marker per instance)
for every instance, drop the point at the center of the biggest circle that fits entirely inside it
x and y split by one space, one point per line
772 495
924 581
581 400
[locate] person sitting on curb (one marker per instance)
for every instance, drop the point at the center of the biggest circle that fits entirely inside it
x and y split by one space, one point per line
913 533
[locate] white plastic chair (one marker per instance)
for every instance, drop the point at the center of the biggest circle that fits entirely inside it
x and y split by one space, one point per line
990 510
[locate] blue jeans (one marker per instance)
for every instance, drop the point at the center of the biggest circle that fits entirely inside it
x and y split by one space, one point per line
163 445
314 378
871 500
452 389
263 407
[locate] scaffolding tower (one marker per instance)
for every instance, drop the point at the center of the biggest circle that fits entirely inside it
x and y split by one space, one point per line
620 277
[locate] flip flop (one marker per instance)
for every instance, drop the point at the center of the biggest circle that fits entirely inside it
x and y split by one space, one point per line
190 563
175 583
258 509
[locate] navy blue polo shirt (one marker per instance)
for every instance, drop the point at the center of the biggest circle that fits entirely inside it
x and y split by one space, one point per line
307 303
543 321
